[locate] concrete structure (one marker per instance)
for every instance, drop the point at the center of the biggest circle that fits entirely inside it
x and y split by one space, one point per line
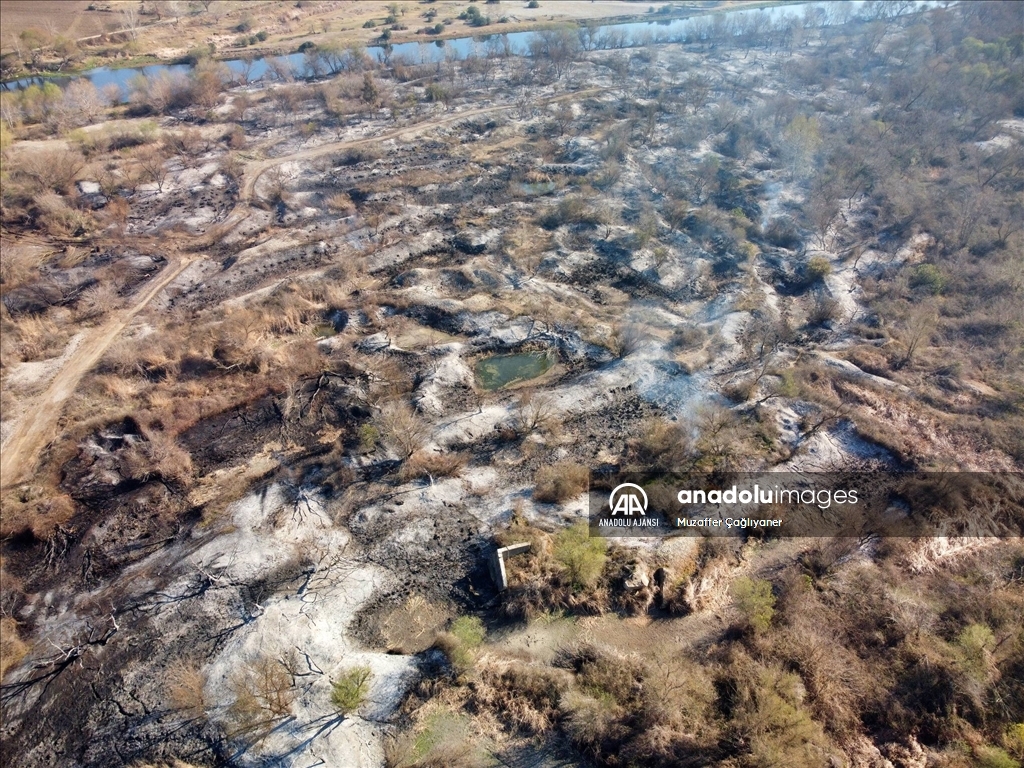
497 562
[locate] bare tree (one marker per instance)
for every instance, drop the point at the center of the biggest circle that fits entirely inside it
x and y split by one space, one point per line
402 430
628 338
172 9
151 162
52 169
917 328
10 109
535 412
80 104
281 69
131 20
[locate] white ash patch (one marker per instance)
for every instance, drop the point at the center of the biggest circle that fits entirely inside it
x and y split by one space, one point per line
516 331
37 373
450 372
195 178
255 221
309 624
471 426
839 446
850 371
407 249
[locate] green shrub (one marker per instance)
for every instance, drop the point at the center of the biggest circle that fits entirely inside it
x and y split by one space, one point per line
755 601
769 721
469 630
975 641
1015 739
573 210
435 92
474 18
368 437
461 640
349 691
581 555
994 757
195 55
818 268
929 278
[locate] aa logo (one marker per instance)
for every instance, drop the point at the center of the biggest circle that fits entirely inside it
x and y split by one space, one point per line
628 499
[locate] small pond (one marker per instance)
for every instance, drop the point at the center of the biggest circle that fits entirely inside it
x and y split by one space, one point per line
497 371
538 188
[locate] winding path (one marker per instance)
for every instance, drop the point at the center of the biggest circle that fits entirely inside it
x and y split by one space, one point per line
33 431
256 168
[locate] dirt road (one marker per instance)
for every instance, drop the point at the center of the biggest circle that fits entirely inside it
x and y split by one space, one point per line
257 168
35 429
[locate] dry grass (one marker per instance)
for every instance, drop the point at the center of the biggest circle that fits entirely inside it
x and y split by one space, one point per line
431 465
70 18
19 264
12 648
404 432
263 695
541 582
563 481
36 511
185 686
96 302
341 203
413 626
35 337
524 697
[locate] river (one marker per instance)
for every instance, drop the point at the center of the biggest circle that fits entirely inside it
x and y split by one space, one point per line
611 35
621 35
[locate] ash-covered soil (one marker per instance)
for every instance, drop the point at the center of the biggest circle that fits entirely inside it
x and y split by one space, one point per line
289 468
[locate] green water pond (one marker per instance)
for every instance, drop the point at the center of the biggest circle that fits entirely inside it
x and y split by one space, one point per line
538 188
498 371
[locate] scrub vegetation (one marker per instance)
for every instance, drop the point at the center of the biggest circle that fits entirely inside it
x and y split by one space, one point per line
253 474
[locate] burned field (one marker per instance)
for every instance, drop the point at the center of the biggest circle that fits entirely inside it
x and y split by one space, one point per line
284 362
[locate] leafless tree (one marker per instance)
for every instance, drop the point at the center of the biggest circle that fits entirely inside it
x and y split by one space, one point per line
535 412
53 169
152 163
172 9
80 104
10 109
628 338
402 430
916 329
131 20
281 69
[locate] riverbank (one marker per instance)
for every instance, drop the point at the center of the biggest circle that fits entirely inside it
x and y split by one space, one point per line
176 44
